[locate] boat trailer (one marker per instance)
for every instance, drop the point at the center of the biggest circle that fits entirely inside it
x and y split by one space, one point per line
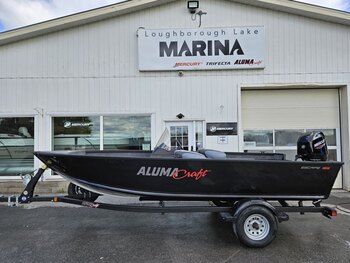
255 221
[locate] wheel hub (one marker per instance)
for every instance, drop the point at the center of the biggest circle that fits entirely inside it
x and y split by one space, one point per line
256 227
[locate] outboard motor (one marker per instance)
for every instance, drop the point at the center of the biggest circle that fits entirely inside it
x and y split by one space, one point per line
312 147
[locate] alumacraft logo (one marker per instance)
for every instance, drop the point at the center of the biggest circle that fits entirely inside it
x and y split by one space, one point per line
174 173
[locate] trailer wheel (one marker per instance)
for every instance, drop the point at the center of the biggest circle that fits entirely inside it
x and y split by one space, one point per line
77 190
256 227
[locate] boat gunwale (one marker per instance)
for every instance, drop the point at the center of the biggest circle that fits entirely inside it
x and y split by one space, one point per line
225 160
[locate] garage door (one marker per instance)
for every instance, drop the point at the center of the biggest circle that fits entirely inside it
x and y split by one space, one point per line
273 120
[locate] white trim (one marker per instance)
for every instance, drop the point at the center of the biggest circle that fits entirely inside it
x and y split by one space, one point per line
186 119
194 136
17 115
126 7
239 119
101 132
82 18
87 114
294 85
153 131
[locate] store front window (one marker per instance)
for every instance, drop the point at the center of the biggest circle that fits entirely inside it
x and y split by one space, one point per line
118 132
76 133
16 145
285 141
127 132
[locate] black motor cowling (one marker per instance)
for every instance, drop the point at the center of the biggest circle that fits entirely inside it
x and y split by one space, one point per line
312 147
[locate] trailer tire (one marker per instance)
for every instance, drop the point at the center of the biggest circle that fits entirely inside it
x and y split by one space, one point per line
77 190
256 226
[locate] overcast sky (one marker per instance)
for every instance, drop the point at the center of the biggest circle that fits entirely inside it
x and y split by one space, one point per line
19 13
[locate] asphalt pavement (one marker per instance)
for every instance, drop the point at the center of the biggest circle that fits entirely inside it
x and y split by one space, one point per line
50 232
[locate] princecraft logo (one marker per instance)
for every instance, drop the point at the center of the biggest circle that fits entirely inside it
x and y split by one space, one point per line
174 173
201 48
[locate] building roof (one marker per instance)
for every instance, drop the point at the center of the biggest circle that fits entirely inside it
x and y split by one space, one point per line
125 7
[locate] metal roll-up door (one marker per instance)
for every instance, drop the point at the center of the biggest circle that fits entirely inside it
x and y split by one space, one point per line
272 120
298 108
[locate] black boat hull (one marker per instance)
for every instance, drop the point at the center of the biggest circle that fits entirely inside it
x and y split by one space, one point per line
195 179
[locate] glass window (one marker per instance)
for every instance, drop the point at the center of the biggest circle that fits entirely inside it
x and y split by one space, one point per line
199 134
253 138
127 132
179 136
287 137
290 137
76 133
285 141
16 145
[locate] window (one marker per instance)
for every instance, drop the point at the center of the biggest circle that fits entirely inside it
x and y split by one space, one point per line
186 134
259 138
127 132
179 136
117 132
285 141
76 133
16 145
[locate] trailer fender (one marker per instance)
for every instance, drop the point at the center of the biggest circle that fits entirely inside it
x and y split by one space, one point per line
243 204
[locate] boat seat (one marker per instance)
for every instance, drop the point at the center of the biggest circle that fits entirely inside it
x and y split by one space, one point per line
212 154
188 155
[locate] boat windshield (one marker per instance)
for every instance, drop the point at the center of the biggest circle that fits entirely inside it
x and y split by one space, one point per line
163 146
164 138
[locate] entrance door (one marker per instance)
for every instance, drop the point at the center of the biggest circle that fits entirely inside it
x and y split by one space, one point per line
187 134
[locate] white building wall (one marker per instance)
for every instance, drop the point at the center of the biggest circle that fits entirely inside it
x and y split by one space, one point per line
94 68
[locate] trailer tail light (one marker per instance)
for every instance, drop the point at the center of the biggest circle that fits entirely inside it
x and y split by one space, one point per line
329 212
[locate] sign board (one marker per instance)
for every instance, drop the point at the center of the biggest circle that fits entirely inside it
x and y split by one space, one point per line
221 128
222 139
201 48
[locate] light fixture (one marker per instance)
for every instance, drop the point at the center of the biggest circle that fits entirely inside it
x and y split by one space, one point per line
192 6
180 116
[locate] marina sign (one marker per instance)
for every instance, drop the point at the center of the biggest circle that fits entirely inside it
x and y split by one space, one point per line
201 48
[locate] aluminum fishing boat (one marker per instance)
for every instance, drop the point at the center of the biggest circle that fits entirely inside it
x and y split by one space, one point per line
173 174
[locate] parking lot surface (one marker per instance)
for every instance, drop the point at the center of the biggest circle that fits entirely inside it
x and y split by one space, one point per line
44 232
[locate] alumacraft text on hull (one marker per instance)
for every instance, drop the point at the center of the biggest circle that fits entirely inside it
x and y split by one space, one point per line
242 185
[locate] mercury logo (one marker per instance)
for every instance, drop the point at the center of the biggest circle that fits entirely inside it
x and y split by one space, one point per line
67 124
213 129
